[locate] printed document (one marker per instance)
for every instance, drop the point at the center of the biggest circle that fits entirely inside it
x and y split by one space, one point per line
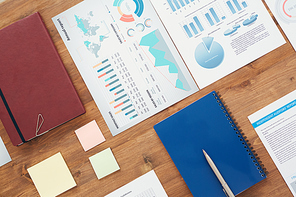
275 124
147 185
137 56
217 37
126 59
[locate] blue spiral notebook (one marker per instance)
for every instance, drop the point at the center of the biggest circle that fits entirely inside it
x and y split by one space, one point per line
206 124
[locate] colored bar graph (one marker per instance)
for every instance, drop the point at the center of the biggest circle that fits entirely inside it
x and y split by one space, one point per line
100 63
105 73
133 116
116 93
177 4
182 3
171 5
231 7
129 112
244 4
193 28
198 23
115 87
187 1
112 82
110 77
214 15
124 109
209 19
187 31
104 68
237 5
118 99
121 103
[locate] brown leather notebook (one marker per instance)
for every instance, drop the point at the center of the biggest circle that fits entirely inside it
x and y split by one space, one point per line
36 93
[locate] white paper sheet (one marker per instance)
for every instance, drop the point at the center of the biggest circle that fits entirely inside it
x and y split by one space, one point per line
285 13
148 185
126 59
4 155
275 124
217 37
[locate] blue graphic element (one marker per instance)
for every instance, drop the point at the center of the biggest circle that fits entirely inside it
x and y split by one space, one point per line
209 19
87 43
274 114
198 23
163 57
130 112
117 2
214 15
182 3
237 5
140 7
187 1
209 54
171 5
102 38
208 41
81 24
104 68
193 28
130 32
187 31
231 7
177 4
231 31
250 20
223 17
244 4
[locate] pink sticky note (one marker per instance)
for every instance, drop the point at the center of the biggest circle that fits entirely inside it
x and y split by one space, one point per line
90 135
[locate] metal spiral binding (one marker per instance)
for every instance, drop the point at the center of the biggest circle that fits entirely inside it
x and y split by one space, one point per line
251 152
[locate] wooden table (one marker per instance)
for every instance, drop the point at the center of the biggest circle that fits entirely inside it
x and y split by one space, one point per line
138 149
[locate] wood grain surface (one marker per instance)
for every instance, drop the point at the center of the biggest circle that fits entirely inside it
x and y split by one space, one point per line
138 149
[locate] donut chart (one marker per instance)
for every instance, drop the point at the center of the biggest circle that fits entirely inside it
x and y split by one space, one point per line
286 10
122 9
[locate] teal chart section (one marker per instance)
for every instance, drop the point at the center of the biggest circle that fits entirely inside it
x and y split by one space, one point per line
163 57
209 54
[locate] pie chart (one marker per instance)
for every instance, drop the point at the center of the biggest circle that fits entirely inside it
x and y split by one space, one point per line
209 54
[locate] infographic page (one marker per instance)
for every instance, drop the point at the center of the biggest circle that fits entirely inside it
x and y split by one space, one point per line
126 58
217 37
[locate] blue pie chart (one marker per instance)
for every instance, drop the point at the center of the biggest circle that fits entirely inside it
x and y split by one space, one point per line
209 54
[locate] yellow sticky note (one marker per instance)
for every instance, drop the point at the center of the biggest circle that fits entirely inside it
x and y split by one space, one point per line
52 176
104 163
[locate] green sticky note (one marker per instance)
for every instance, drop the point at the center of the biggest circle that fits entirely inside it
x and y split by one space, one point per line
52 176
104 163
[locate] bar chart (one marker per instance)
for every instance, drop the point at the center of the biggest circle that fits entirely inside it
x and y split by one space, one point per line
235 6
192 26
178 4
206 17
109 74
213 14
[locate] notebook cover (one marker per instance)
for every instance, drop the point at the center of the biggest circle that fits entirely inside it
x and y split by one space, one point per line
35 86
205 125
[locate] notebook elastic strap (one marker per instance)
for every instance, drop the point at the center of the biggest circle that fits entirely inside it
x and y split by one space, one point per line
12 117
